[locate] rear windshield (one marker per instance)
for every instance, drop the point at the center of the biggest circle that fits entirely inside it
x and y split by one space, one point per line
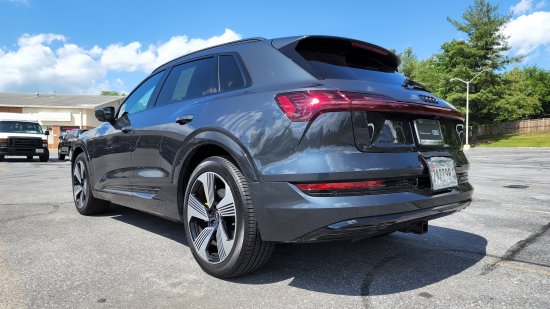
20 127
345 59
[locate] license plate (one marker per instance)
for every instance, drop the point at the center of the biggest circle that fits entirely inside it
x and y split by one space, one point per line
39 150
442 173
428 132
64 149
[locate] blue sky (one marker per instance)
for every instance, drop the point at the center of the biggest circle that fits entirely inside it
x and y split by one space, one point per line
89 46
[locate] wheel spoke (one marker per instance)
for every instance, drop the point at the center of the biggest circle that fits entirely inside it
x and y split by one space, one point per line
195 209
226 207
203 240
76 173
223 242
207 180
77 189
82 171
84 188
81 199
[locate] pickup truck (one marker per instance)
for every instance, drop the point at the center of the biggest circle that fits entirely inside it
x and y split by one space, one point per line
22 135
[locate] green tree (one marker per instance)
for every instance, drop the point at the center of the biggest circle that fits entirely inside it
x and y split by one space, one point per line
483 49
112 93
518 99
409 63
516 94
539 82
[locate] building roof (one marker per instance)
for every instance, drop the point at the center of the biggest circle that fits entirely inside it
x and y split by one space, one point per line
52 100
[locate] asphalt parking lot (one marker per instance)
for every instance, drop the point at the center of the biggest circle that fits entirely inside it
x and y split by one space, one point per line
496 253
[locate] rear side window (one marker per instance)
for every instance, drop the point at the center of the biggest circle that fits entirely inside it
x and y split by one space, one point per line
190 80
230 74
329 58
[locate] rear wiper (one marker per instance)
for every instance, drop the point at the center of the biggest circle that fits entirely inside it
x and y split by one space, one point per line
411 84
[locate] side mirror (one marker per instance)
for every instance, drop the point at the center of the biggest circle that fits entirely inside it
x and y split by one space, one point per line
106 114
46 132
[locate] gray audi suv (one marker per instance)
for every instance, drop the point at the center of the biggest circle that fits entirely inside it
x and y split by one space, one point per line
254 142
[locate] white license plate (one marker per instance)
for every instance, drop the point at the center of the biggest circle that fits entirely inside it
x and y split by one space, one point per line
39 150
442 173
64 149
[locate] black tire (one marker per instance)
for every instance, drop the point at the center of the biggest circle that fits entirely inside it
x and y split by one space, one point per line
29 158
60 156
248 251
1 158
44 158
85 203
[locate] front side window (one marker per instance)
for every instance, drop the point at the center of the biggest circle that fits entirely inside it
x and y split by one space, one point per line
190 80
139 99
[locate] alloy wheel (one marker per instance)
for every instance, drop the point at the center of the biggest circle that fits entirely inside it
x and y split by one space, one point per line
80 184
211 217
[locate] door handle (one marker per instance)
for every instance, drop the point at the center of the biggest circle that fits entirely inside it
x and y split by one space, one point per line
126 129
184 119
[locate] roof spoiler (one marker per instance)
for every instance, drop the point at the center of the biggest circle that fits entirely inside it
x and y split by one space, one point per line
390 58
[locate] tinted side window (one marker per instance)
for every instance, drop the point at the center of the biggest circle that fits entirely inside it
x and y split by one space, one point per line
190 80
138 100
230 75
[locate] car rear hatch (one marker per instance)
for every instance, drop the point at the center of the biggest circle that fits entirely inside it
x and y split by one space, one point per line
390 112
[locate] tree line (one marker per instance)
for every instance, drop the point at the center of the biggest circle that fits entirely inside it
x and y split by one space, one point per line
500 94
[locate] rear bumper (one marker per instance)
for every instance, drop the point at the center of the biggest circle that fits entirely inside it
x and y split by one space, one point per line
8 151
285 214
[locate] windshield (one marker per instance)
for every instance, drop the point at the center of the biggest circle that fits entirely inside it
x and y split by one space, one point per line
20 127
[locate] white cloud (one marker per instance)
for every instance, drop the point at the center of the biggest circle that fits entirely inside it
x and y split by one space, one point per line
526 33
30 40
522 7
180 45
19 2
132 57
128 57
526 6
48 62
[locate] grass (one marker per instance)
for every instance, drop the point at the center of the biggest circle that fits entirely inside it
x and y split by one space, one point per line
536 139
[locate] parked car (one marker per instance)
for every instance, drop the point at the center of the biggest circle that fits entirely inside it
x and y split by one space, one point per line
299 139
67 142
22 135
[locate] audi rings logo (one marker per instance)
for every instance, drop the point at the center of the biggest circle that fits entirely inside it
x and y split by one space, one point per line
428 99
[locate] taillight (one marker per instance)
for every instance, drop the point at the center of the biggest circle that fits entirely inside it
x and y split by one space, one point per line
304 105
354 185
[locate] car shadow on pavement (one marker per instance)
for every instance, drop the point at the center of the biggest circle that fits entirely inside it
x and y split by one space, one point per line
376 266
163 227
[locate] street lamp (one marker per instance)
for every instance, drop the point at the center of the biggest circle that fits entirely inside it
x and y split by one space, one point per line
467 145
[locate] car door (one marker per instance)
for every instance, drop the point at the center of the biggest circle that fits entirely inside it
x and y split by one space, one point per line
161 132
111 147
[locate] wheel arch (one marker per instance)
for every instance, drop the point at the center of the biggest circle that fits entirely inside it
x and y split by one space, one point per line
77 150
210 143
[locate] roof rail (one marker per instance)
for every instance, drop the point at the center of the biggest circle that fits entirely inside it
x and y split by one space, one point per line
253 39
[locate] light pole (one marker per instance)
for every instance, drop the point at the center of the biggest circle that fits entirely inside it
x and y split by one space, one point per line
467 145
